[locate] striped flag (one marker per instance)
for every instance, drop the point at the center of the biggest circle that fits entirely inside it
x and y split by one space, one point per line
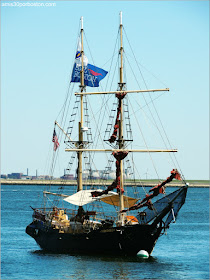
55 140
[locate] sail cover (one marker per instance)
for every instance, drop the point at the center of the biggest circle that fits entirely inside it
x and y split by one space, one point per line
114 200
177 199
84 197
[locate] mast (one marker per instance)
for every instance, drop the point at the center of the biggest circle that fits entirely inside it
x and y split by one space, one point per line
121 141
82 86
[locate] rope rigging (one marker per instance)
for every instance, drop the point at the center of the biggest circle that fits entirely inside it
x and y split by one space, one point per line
156 113
89 159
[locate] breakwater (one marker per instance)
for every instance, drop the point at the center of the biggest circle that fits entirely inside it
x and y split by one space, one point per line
145 183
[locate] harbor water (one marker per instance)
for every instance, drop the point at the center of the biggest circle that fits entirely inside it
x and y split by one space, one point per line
181 254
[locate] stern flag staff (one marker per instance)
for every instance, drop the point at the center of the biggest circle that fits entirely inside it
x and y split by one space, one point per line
92 74
55 140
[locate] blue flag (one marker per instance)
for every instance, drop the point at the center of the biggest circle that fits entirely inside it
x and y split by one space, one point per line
92 74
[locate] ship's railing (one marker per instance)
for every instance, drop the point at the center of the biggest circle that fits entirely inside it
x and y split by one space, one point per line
50 214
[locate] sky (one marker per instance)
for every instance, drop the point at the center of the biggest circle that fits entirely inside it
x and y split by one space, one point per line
169 38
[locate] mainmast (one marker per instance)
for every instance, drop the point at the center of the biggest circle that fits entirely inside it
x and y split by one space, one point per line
121 140
82 86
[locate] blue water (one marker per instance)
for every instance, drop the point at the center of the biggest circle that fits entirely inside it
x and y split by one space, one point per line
181 254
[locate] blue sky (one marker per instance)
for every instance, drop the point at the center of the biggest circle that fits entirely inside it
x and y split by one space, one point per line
170 38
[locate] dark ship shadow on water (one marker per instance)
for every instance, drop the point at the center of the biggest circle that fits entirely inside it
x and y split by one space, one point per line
94 257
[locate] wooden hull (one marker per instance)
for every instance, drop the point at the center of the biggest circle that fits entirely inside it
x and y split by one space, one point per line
126 240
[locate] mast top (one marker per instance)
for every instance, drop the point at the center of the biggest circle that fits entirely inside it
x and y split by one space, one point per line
81 21
120 18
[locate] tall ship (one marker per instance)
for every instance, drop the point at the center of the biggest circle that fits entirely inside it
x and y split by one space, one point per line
122 216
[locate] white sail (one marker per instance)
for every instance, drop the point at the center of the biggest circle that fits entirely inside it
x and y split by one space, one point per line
84 197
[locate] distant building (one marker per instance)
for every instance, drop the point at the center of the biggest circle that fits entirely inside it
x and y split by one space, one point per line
44 177
15 175
26 177
99 174
68 177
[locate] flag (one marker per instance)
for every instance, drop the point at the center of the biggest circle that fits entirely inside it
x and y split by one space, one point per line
78 58
55 140
92 74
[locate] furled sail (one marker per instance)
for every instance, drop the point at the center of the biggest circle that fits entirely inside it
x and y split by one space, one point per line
160 188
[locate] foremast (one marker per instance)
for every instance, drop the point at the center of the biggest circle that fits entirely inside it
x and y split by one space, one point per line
82 87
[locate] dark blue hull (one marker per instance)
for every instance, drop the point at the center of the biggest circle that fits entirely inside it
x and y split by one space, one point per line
125 240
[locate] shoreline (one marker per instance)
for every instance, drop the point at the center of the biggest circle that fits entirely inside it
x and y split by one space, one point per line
145 183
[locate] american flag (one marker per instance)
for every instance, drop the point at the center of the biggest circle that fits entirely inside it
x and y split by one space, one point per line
55 140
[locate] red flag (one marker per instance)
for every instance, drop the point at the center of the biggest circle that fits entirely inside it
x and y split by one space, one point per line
55 140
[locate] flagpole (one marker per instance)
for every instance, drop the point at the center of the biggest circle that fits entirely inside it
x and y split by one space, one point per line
79 154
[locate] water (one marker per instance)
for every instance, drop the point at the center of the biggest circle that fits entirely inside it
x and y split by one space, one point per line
181 254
